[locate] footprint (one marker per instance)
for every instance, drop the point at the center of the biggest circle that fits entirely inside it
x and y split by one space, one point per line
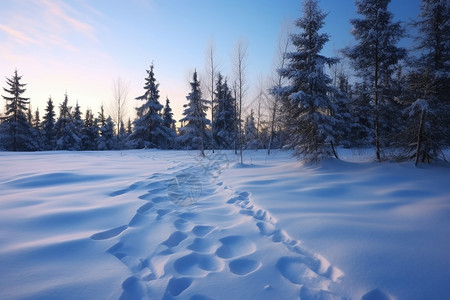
137 220
234 246
376 294
175 239
196 264
132 289
162 212
266 228
201 230
183 225
318 294
202 245
119 192
144 208
109 233
177 285
243 266
160 199
295 270
188 215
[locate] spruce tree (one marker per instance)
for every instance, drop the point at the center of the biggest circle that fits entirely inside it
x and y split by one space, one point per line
168 120
169 126
39 139
375 56
193 133
121 137
307 105
427 131
89 132
63 126
107 140
148 127
16 132
224 124
48 127
77 125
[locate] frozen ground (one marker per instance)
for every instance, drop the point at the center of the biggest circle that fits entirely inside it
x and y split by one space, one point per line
170 225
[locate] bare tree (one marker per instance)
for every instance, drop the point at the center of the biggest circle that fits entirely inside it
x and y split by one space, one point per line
119 105
278 81
240 64
211 71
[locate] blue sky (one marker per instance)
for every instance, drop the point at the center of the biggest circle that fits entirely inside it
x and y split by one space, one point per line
82 46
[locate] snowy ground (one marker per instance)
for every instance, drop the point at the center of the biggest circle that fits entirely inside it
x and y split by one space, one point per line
170 225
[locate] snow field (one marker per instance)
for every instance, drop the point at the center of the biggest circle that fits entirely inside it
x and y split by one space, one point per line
172 225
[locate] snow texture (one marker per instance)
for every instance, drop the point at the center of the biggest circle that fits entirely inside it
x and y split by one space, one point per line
152 224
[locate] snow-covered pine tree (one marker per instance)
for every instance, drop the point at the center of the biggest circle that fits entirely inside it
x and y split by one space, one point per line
223 127
169 126
129 127
39 139
48 127
89 132
307 105
250 131
30 119
107 140
376 55
427 131
122 137
76 127
16 133
168 120
348 127
193 132
64 126
148 126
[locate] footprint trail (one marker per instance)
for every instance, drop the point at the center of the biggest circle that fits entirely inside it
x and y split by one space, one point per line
178 251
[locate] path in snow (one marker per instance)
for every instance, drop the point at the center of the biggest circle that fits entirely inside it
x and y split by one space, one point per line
195 238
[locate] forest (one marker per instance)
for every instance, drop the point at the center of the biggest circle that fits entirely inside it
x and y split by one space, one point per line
393 99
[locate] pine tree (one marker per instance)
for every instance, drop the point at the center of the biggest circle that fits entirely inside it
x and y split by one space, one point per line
223 127
129 127
307 105
169 126
122 137
48 127
428 101
376 55
39 135
168 120
193 133
16 132
89 132
63 126
76 128
148 127
107 140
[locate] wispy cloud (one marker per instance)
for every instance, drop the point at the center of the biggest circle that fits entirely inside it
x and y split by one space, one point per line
18 36
49 23
67 15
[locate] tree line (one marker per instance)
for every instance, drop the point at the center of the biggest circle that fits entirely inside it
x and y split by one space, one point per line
393 98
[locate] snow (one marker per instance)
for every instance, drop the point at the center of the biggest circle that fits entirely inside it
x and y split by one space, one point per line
150 224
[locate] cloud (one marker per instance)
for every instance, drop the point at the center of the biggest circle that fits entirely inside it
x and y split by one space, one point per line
58 10
18 36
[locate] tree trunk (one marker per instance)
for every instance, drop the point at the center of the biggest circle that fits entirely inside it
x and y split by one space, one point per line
419 136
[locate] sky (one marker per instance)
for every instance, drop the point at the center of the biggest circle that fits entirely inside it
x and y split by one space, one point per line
81 47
